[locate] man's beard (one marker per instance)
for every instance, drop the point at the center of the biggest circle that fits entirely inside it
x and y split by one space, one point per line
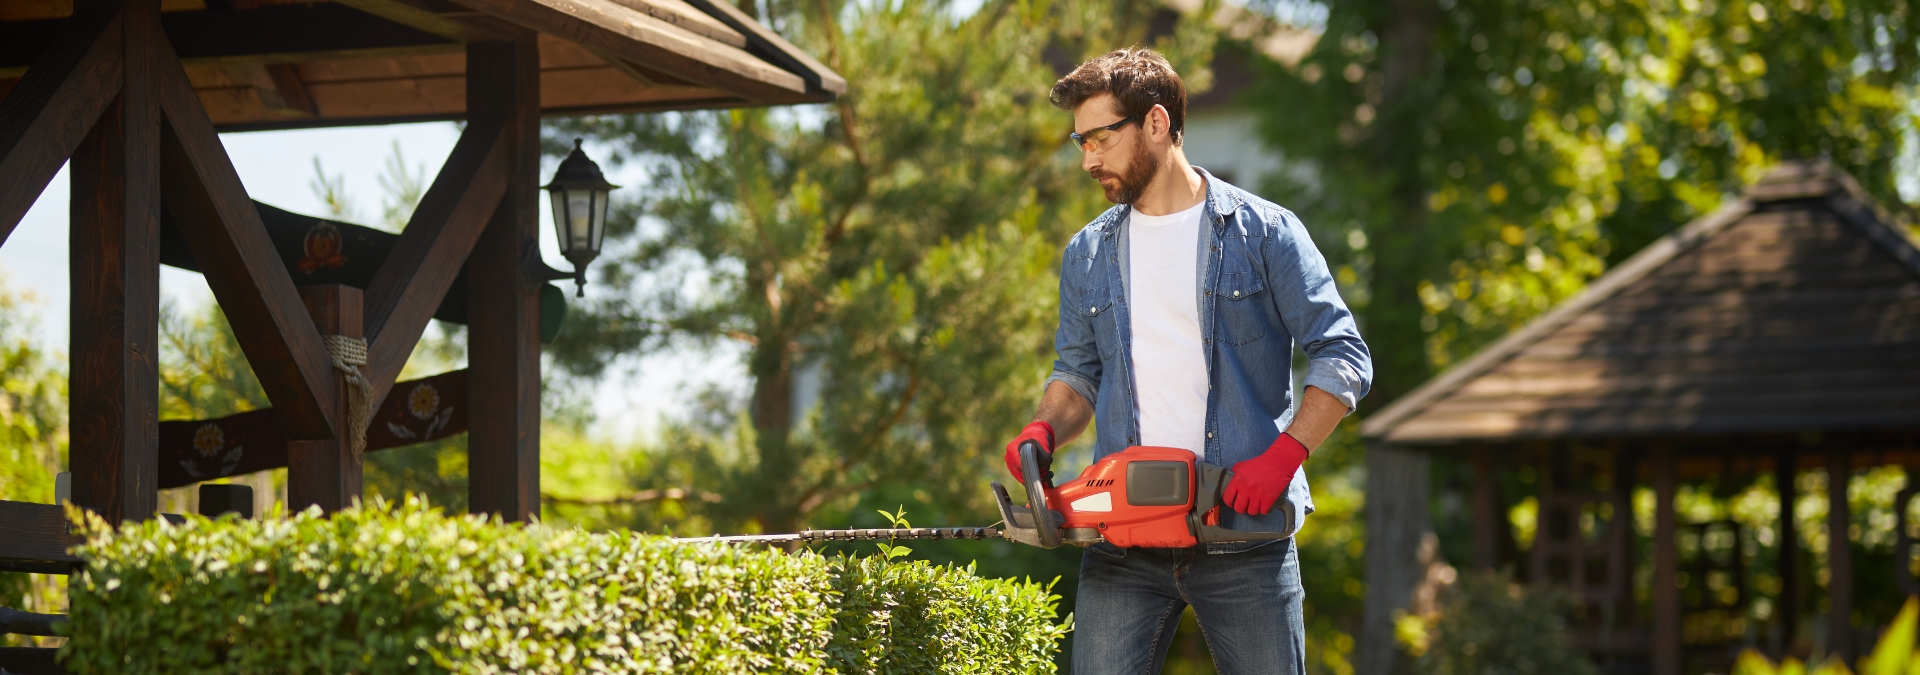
1141 170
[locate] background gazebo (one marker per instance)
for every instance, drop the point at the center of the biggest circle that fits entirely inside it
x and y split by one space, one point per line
134 92
1778 334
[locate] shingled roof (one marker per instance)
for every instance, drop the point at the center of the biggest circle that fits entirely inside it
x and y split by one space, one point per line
1796 307
266 64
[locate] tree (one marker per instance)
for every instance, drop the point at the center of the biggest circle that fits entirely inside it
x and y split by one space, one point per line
889 261
1482 160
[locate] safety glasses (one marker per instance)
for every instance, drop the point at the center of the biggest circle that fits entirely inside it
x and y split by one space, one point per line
1100 138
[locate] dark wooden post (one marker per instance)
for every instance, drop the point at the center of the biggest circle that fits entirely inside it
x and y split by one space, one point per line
503 299
1666 564
114 335
1785 467
1395 529
1626 469
1839 556
1487 518
325 473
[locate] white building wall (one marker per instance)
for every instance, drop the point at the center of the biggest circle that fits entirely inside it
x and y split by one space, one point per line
1226 142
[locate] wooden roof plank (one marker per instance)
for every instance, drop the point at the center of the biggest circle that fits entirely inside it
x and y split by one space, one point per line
641 38
679 13
771 45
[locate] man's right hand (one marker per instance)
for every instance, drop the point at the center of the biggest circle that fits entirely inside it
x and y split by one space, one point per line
1039 432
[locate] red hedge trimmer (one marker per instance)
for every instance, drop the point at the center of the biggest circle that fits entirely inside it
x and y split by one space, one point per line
1139 497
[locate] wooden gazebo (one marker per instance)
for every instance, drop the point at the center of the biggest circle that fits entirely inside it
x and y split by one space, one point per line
134 92
1779 333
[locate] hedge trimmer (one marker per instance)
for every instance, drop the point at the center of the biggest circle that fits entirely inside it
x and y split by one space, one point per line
1139 497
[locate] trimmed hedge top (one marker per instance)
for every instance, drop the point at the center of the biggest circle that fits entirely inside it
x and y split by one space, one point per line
392 589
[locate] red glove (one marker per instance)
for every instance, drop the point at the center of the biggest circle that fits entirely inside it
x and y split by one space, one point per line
1258 483
1037 431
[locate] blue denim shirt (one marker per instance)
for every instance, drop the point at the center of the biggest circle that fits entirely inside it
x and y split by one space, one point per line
1262 286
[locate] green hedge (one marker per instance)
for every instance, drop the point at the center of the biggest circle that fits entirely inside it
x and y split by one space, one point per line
392 589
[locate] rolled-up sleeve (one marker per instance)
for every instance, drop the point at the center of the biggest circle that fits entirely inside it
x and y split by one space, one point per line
1077 363
1309 303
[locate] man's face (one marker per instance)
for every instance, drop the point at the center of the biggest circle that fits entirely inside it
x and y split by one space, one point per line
1125 164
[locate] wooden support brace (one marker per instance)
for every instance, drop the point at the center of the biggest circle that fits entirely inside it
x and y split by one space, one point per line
231 246
1666 565
326 473
114 334
413 281
503 324
44 117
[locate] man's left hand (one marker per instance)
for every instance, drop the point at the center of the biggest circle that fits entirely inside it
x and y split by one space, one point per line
1258 483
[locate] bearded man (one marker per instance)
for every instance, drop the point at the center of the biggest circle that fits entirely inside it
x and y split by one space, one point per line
1179 311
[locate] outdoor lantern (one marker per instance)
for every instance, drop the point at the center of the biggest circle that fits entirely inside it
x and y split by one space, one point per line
579 193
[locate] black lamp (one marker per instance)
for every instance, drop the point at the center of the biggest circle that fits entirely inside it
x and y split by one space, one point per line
579 194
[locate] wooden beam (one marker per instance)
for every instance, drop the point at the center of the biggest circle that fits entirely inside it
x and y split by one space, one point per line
207 201
46 114
1839 556
114 271
428 19
503 319
279 87
326 473
30 660
292 88
275 33
411 284
1666 566
1487 518
32 532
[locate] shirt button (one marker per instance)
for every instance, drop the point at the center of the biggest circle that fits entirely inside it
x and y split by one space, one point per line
1236 294
1209 434
1209 293
1091 310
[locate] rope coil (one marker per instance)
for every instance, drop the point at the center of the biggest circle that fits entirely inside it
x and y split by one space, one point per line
349 354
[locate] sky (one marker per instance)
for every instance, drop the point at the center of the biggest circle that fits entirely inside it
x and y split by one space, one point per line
278 168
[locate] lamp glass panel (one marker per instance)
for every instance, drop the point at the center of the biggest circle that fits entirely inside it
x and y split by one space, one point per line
599 217
579 219
559 201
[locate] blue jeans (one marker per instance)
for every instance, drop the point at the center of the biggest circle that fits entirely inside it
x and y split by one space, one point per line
1248 604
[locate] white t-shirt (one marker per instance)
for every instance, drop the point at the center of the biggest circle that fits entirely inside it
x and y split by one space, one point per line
1169 362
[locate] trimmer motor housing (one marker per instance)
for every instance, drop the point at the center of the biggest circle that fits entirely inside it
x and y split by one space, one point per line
1140 497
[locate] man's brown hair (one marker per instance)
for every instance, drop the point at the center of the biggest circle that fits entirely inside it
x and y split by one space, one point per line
1139 78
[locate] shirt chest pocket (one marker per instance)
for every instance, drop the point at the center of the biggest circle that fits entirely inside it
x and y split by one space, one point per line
1246 313
1097 305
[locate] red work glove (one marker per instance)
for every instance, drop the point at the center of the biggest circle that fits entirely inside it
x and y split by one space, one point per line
1258 483
1037 431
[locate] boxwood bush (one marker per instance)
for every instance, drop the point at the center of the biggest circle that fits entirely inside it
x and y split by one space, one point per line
403 588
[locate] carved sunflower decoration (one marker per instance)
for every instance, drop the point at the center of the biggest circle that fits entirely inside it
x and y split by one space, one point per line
208 439
423 401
